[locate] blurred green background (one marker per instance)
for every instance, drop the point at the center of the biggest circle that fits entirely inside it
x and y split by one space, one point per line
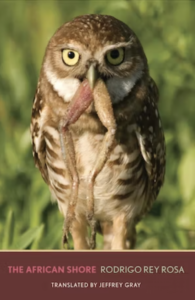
28 219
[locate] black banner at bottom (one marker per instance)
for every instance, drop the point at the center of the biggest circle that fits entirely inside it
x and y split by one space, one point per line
91 275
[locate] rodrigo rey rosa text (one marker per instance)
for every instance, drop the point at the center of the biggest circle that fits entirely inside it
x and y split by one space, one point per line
142 269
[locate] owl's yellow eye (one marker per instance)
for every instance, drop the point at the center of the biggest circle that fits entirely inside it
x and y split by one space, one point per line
115 56
70 57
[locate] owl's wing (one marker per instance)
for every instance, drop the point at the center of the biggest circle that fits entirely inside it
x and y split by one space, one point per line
38 141
151 140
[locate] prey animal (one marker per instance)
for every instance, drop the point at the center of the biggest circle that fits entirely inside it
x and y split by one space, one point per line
96 131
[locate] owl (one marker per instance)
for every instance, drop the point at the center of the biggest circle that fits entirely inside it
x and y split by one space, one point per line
96 131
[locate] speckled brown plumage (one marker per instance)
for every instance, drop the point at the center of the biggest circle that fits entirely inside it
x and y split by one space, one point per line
128 156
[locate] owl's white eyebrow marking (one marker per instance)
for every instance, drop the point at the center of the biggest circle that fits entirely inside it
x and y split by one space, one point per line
65 87
75 47
68 46
117 45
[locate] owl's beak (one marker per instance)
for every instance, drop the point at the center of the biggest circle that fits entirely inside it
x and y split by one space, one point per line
92 76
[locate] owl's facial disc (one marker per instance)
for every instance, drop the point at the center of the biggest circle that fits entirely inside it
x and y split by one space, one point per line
115 64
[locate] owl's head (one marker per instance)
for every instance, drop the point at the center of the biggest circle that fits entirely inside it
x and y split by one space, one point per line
93 46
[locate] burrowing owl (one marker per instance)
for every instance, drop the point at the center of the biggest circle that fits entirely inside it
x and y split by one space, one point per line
96 131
